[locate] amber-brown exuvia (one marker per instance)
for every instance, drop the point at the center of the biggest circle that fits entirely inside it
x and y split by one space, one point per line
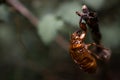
79 51
91 19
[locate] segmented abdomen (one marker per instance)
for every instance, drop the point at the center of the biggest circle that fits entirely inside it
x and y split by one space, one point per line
84 59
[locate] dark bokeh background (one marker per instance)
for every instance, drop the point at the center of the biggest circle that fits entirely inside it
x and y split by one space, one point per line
38 49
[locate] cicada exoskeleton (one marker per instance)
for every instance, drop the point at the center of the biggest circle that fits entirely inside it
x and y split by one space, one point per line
79 51
91 20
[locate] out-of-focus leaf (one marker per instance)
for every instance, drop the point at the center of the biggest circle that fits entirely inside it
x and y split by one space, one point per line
48 27
110 3
10 47
67 12
111 34
95 4
4 12
6 33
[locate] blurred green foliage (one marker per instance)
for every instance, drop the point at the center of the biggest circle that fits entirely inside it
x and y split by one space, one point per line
4 12
95 4
48 27
67 10
24 54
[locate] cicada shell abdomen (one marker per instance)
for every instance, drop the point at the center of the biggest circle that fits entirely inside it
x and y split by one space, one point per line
80 54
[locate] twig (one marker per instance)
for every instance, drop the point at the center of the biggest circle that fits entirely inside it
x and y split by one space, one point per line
23 10
34 20
62 42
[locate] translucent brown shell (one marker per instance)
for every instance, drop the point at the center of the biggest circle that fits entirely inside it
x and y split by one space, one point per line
80 53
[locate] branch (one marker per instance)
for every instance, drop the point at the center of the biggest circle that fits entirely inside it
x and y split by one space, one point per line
62 42
34 20
23 10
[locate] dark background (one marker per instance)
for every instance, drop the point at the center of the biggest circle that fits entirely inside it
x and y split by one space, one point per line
34 45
